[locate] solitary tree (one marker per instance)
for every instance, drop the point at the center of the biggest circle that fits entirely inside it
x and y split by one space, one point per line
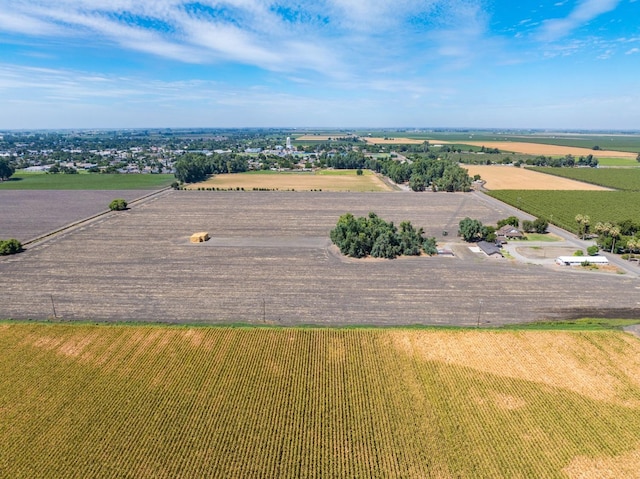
6 169
614 232
10 246
118 205
540 225
633 245
471 230
583 224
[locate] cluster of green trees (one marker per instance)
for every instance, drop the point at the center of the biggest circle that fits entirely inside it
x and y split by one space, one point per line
372 236
194 167
10 246
620 237
426 172
6 169
67 170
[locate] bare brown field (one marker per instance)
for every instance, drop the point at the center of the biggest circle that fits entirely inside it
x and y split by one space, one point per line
27 214
500 177
548 150
269 261
296 181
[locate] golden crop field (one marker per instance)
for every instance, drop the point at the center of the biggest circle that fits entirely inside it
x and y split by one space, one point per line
110 401
499 177
548 150
343 180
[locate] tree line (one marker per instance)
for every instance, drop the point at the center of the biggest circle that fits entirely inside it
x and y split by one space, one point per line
195 167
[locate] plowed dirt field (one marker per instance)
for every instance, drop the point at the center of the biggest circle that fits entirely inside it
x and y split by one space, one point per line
270 261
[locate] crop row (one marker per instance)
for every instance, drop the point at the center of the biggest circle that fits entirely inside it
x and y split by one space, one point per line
124 401
626 179
561 207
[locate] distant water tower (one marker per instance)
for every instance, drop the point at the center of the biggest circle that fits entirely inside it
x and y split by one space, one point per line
288 143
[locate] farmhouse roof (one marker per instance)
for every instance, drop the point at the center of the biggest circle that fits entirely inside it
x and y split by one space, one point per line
510 232
489 248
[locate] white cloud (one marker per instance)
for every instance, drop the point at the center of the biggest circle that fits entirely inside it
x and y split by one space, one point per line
332 37
584 12
632 51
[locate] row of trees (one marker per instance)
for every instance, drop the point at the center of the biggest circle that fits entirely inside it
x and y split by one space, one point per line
372 236
565 161
194 167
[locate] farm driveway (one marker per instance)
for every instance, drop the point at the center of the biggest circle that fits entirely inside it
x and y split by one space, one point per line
267 263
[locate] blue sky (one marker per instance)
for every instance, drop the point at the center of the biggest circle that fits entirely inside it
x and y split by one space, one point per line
569 64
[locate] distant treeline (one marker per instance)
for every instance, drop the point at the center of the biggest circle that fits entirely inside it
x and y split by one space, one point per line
421 172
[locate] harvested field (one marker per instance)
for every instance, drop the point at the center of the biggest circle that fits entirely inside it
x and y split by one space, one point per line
500 177
28 214
349 181
139 265
548 150
82 401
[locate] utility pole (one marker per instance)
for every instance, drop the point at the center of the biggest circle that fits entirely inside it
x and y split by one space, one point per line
53 306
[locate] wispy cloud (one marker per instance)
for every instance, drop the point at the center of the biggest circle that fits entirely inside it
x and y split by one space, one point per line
584 12
328 36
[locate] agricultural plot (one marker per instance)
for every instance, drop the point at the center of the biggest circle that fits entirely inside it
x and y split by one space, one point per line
28 214
42 181
395 141
561 207
617 178
618 162
337 180
269 261
498 177
82 401
549 150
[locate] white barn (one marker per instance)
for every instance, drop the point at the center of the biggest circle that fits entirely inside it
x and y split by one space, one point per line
578 260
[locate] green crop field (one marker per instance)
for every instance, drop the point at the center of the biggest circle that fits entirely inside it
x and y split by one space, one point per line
81 401
618 178
561 207
627 142
630 162
85 181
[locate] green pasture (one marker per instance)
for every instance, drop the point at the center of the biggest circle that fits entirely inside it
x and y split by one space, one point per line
86 181
617 178
561 207
630 162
